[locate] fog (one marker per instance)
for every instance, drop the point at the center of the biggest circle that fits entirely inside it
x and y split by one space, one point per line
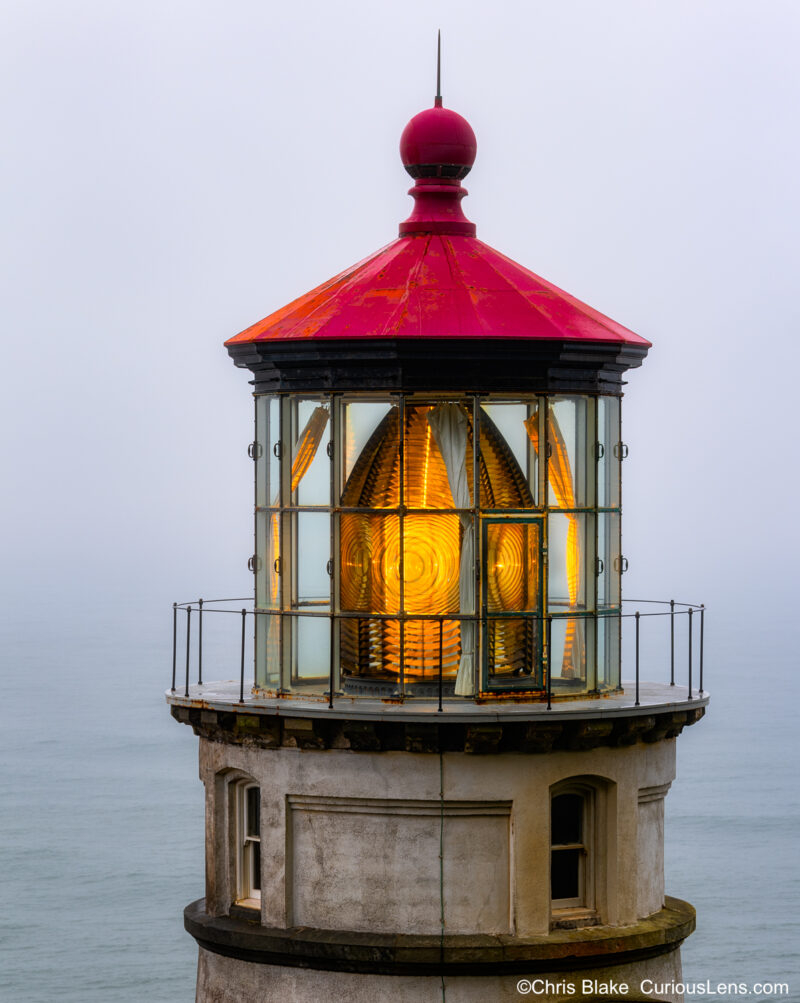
175 171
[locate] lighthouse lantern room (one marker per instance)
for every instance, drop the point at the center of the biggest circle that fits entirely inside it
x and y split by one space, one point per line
433 780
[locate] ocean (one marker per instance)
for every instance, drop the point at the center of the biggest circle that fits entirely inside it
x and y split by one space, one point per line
101 830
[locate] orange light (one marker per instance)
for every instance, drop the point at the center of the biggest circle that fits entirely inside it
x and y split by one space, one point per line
416 569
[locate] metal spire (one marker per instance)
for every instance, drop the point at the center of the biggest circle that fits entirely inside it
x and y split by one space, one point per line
437 101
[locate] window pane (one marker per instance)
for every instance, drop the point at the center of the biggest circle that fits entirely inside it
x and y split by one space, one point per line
570 477
369 549
513 648
255 878
432 563
268 651
507 458
608 660
268 550
313 550
570 545
421 650
565 874
608 565
253 812
267 463
370 457
311 644
572 651
513 573
566 819
518 427
438 455
370 649
311 465
608 463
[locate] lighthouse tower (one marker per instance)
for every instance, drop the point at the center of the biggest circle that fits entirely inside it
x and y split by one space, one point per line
428 782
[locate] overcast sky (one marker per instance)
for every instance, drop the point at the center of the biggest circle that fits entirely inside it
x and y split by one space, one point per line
175 170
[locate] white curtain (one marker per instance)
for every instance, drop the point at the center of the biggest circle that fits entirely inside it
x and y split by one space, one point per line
450 429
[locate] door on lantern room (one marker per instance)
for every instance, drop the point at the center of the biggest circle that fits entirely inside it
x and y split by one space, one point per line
512 603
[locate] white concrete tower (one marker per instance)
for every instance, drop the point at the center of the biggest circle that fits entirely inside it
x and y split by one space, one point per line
433 784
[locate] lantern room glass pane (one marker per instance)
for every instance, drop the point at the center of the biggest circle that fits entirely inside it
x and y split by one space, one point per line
262 450
369 650
507 460
608 560
608 449
268 651
267 462
370 458
421 648
608 653
572 654
268 564
513 567
310 473
432 563
570 434
518 426
437 456
313 552
311 651
513 653
570 548
369 555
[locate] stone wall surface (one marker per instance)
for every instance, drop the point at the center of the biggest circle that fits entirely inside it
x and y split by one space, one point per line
351 840
224 980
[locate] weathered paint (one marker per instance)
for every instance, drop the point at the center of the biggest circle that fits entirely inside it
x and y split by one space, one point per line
438 281
436 285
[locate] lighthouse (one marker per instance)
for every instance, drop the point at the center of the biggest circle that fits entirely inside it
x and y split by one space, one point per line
425 778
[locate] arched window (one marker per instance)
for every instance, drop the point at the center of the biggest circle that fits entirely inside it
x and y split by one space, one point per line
581 820
570 850
247 840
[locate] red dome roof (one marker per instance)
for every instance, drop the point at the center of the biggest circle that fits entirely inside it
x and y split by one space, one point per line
438 280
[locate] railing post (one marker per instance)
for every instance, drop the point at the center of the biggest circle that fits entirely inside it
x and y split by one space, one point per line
441 651
188 639
241 674
637 659
200 643
672 642
702 625
549 622
689 694
174 641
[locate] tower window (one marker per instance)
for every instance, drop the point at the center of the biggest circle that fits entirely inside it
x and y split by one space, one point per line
569 853
248 843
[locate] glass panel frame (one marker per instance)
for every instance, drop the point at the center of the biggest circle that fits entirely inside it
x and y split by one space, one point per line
570 554
571 466
310 466
501 627
609 463
572 653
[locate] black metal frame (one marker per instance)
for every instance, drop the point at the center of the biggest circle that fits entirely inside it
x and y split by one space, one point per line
541 510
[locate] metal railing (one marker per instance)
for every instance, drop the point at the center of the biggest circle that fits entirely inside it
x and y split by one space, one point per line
675 611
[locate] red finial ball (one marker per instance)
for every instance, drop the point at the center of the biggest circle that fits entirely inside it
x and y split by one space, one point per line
438 143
